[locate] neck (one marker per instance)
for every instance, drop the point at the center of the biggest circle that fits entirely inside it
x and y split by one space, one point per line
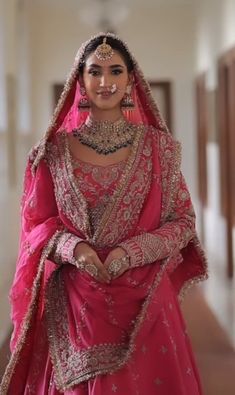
106 115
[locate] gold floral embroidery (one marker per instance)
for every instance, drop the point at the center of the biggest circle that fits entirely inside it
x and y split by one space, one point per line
65 367
104 176
175 197
126 203
177 227
129 199
98 185
72 204
73 366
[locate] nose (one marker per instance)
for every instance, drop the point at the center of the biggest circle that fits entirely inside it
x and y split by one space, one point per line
104 80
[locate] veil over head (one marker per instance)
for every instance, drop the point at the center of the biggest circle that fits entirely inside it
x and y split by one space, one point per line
67 116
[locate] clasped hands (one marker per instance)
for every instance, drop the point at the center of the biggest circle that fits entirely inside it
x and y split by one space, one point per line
86 259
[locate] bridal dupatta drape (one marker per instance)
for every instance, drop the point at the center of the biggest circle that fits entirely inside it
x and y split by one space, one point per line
150 195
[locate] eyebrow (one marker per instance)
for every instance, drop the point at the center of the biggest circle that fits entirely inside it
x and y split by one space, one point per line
111 67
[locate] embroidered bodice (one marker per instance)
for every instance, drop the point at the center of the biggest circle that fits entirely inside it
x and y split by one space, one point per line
97 184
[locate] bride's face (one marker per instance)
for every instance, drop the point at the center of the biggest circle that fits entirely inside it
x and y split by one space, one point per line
105 81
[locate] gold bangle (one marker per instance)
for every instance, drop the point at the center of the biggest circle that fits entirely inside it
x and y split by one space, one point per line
79 264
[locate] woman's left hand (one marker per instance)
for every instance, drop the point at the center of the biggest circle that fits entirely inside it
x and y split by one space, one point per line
117 262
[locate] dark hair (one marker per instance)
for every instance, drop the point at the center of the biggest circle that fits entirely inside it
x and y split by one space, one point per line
115 44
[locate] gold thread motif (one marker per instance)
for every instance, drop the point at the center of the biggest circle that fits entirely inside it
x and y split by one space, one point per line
98 184
177 227
72 366
170 170
126 206
74 205
64 357
70 202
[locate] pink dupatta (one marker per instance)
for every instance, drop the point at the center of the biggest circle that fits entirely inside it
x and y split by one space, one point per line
43 221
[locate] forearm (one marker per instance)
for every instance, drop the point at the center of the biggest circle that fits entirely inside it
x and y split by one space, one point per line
160 243
167 240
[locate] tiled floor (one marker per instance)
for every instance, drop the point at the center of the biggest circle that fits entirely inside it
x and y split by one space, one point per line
214 352
219 292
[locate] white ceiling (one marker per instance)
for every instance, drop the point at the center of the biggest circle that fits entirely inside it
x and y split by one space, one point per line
76 3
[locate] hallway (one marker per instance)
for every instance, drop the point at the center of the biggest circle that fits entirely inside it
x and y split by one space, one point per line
175 42
214 351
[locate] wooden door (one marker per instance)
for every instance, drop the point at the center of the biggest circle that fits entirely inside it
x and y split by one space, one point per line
161 91
202 136
226 108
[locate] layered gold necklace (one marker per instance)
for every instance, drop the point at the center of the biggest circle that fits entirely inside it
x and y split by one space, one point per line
105 137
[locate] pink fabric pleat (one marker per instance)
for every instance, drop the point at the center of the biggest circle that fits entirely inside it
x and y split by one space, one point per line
162 363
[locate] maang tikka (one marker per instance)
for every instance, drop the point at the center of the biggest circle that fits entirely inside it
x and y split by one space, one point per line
104 51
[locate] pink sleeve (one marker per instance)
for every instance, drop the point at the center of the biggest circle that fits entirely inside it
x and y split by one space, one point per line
64 252
168 239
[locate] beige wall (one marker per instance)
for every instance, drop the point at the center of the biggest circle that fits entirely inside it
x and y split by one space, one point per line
14 120
215 35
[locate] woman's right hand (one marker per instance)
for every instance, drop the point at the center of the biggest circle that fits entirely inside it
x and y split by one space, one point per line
86 257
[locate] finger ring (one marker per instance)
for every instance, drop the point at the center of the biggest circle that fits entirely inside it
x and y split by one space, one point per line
91 269
80 264
115 266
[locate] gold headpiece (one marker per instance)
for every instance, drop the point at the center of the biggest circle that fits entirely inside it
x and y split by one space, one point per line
104 51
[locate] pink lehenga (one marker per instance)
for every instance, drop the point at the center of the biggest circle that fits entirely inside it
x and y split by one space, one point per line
72 334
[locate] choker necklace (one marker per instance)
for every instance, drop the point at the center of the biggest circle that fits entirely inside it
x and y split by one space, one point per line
105 137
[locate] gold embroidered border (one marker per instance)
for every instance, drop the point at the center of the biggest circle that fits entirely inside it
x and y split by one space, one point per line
170 161
111 209
106 233
198 278
170 170
72 203
28 317
124 351
72 366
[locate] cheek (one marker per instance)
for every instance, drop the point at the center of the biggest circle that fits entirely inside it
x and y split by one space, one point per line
90 83
122 84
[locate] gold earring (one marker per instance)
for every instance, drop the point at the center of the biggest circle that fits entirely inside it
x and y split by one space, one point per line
127 101
83 104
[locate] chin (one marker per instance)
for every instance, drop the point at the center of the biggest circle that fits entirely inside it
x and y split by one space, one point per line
107 106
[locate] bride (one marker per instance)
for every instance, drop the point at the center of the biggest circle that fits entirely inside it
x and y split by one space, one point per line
108 243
